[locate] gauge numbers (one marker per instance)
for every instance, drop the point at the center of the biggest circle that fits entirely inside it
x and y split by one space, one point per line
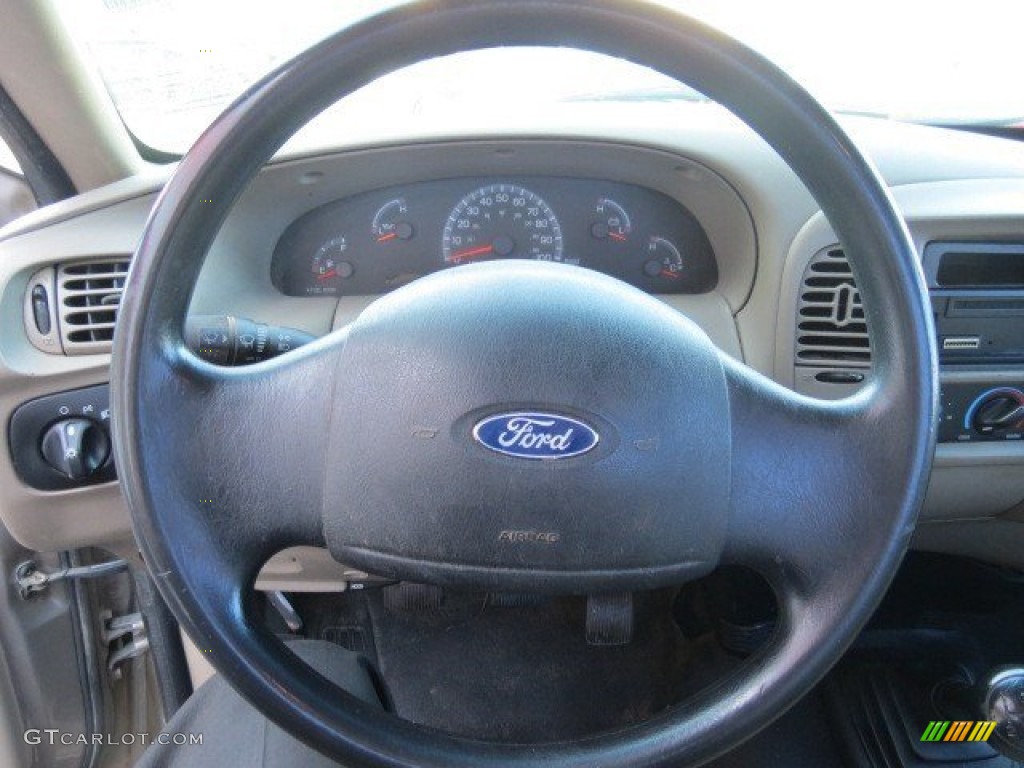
502 221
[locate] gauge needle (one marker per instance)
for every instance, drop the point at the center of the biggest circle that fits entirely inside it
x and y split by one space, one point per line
669 274
388 236
617 236
472 253
328 274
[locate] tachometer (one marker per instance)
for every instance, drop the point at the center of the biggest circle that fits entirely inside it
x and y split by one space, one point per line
502 221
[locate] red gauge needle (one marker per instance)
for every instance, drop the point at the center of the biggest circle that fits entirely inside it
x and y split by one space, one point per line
472 253
617 236
669 274
328 274
388 236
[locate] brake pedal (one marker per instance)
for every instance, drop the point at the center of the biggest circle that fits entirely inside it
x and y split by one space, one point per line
408 596
515 599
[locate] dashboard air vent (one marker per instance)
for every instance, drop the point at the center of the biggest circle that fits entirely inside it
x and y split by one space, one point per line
831 330
88 295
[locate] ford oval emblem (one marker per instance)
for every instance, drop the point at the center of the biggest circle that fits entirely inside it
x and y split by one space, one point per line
535 435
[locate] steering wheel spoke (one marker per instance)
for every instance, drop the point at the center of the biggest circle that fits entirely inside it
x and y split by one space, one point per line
813 487
239 450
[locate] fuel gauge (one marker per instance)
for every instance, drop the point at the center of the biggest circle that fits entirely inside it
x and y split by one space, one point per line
328 268
391 223
611 222
663 259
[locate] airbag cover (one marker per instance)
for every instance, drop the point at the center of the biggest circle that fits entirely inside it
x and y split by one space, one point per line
439 376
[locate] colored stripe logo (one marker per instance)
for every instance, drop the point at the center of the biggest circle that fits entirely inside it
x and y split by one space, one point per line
958 730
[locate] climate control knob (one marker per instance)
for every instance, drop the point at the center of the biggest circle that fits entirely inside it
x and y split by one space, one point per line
999 411
75 447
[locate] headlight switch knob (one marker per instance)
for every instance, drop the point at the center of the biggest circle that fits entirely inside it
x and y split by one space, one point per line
75 447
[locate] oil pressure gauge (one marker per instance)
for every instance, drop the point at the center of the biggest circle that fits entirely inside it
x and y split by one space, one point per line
391 222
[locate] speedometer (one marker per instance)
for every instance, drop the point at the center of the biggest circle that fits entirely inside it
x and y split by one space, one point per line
502 221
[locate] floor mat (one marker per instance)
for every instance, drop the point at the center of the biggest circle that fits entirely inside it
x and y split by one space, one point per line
523 672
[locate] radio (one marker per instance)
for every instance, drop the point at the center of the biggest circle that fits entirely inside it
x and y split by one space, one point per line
977 294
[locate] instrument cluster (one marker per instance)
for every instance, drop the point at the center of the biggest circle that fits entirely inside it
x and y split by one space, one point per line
374 242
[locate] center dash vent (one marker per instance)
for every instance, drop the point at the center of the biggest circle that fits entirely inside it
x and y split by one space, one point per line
831 329
88 296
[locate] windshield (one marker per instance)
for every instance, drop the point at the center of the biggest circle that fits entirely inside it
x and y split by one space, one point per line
173 65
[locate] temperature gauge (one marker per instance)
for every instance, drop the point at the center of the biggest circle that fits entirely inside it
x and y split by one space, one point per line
663 259
390 223
329 268
611 221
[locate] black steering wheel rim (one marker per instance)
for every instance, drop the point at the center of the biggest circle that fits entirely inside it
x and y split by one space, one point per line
206 574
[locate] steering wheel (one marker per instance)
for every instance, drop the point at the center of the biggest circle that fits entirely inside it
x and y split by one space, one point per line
369 441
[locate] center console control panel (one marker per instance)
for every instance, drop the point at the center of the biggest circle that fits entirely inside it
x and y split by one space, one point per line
978 412
977 295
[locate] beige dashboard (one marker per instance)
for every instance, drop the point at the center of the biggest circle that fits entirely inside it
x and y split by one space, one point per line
763 227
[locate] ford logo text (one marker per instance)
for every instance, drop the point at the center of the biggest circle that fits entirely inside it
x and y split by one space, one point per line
533 435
